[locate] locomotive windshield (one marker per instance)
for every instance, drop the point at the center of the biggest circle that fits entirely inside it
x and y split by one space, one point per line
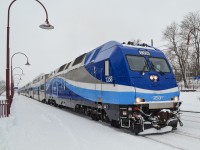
159 65
137 63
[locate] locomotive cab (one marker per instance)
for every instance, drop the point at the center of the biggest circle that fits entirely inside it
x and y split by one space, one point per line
156 100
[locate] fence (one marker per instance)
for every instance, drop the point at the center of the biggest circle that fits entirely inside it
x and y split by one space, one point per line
2 89
190 87
4 107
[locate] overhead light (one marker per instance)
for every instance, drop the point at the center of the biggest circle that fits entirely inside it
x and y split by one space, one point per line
46 25
27 63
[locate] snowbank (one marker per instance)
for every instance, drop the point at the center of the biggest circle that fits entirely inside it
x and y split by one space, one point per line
191 101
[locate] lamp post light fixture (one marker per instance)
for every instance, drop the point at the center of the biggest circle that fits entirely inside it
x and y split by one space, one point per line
20 69
20 77
27 63
44 26
17 79
12 83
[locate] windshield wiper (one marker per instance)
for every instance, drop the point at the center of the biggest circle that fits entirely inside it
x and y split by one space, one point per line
143 69
156 69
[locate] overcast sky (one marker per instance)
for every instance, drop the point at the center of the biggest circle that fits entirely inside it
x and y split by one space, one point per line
80 26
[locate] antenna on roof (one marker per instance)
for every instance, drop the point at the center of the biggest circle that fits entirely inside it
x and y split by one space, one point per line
152 42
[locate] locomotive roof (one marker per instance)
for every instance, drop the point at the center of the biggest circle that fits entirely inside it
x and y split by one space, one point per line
106 50
114 43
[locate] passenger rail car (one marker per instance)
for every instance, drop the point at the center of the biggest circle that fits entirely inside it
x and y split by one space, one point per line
129 86
38 87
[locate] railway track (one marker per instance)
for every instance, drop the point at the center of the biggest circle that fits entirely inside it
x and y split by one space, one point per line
181 138
178 140
164 143
189 120
187 135
198 112
191 116
184 115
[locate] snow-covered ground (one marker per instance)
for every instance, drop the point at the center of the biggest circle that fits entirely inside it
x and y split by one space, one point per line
191 101
36 126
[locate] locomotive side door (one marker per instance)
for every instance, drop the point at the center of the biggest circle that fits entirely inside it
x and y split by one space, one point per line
98 72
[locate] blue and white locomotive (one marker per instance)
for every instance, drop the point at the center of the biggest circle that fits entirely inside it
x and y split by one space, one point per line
129 86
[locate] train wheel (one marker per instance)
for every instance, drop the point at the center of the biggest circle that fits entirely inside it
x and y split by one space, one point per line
94 115
86 111
174 127
115 124
135 128
49 101
55 104
105 116
60 106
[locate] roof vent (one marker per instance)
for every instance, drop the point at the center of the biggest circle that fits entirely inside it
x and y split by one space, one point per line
136 44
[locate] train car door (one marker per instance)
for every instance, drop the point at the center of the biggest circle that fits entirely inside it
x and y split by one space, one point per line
38 93
33 93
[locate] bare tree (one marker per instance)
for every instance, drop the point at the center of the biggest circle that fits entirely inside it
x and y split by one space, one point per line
184 45
190 31
177 49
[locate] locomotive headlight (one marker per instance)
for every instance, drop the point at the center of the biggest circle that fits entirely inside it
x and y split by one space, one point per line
176 98
138 100
155 77
151 77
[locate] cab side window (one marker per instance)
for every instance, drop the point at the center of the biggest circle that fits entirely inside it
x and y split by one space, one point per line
106 67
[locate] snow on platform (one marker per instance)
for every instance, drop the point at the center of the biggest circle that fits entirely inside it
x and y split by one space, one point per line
191 101
36 126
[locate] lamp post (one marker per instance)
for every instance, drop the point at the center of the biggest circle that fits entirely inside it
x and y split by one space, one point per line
46 25
20 69
20 77
43 26
12 83
17 81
